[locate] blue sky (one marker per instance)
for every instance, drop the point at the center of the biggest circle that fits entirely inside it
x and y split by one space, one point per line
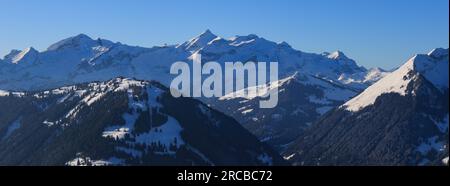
381 33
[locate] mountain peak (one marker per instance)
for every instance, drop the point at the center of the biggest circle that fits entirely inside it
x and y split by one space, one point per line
30 49
74 41
199 42
285 44
433 69
251 38
207 32
82 36
336 55
11 54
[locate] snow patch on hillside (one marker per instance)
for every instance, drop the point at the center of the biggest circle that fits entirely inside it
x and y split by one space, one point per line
4 93
118 132
445 161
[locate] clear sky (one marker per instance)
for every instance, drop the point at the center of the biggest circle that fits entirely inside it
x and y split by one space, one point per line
383 33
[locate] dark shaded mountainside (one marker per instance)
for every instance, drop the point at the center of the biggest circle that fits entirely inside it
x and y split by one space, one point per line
121 122
400 120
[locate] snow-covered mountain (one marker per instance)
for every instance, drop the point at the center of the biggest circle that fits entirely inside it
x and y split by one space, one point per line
402 119
322 81
121 122
302 99
198 42
432 66
81 59
28 55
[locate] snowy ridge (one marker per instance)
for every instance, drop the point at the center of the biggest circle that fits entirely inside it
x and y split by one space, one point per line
434 70
336 55
80 41
28 55
364 78
333 91
4 93
81 59
82 160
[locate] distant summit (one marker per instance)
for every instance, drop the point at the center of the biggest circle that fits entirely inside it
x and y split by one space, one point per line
78 41
21 56
199 42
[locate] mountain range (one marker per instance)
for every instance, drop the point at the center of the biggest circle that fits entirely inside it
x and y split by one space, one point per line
81 59
328 105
